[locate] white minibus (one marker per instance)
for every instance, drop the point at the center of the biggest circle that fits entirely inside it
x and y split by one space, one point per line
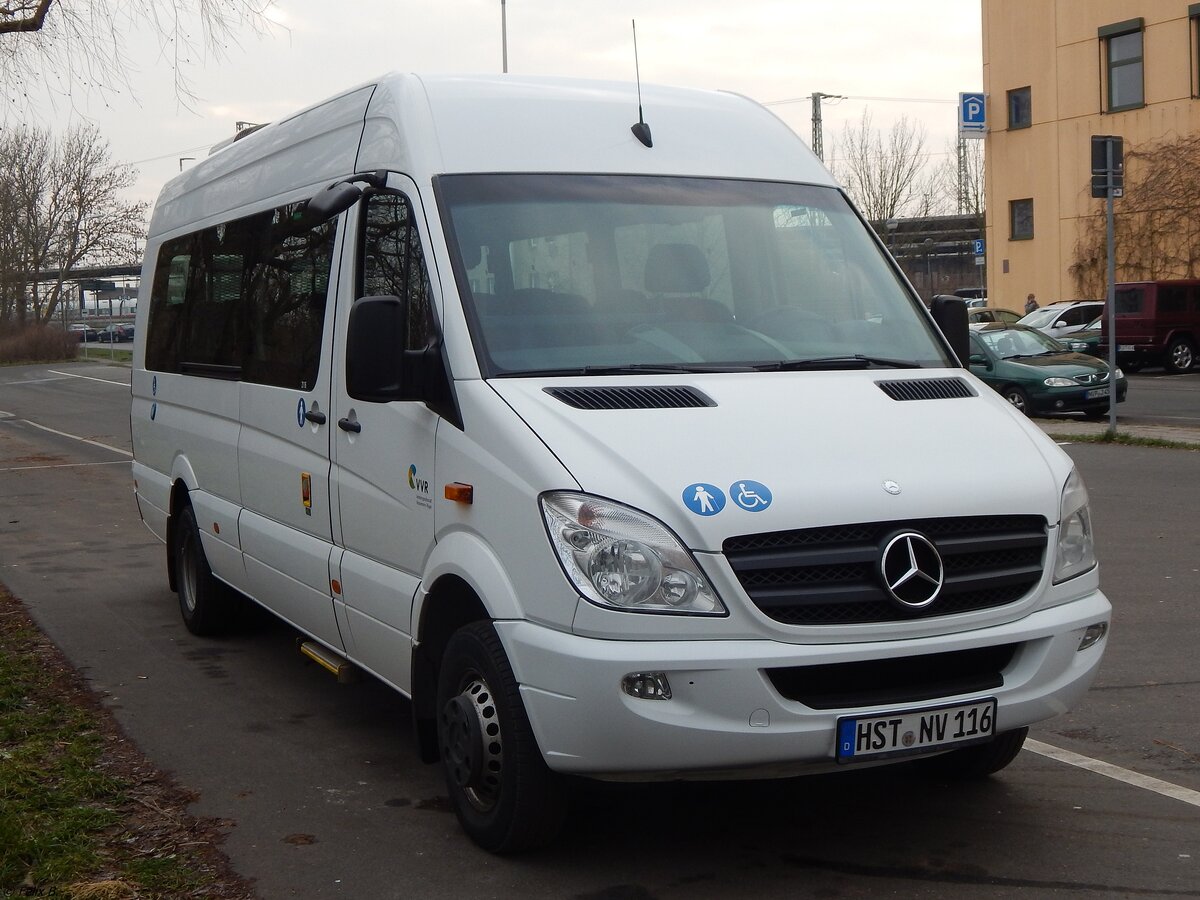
615 441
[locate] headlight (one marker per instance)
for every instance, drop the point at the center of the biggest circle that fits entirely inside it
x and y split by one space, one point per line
1060 382
620 558
1076 551
1119 374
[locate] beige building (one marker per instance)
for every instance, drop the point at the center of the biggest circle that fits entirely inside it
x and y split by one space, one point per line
1055 73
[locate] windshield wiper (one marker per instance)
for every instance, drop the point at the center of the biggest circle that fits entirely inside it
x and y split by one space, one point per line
634 369
855 361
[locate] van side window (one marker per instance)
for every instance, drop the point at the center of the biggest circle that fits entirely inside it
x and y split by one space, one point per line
1128 301
393 264
1172 299
244 299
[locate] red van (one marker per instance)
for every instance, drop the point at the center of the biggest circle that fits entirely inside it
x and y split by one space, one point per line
1158 323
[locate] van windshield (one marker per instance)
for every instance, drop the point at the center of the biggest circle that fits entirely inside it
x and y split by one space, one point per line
595 274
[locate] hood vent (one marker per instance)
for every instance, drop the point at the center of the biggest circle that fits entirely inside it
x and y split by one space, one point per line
666 397
927 389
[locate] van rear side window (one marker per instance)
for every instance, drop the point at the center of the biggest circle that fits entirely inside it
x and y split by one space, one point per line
243 300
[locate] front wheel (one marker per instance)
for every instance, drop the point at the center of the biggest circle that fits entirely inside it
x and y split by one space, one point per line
505 797
980 761
1181 356
1018 398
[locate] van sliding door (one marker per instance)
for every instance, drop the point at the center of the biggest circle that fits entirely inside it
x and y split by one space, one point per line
289 281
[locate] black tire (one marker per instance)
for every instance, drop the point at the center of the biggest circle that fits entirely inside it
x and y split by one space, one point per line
1095 413
206 604
1181 356
506 798
980 761
1018 398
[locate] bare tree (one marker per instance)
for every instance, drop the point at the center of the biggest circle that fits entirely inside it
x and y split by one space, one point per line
885 175
1157 222
62 208
76 45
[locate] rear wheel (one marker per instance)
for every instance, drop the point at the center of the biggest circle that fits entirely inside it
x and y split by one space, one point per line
980 761
1018 398
206 604
505 797
1181 356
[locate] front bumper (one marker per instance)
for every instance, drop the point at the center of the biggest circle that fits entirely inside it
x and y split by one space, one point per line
586 725
1057 400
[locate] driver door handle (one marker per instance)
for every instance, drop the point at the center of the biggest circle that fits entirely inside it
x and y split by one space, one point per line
349 425
316 417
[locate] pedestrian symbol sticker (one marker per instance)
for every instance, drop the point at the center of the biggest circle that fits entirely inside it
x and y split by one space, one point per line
704 499
752 496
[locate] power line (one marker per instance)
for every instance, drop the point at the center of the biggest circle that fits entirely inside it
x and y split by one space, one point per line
808 99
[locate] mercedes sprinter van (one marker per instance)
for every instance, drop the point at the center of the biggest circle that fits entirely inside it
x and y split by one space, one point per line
618 444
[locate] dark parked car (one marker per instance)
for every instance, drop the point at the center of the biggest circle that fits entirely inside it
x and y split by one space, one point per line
1158 323
975 316
1038 374
83 332
1088 340
118 332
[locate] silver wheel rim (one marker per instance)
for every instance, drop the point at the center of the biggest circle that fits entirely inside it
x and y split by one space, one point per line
475 757
1182 357
1016 400
187 574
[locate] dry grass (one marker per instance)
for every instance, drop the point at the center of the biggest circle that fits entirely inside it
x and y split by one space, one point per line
36 343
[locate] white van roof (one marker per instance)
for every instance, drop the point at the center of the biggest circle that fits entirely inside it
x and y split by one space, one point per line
430 125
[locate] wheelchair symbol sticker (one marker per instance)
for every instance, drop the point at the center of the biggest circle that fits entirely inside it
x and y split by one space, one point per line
703 499
752 496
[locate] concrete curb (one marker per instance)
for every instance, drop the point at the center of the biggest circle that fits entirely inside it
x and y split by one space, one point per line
1073 427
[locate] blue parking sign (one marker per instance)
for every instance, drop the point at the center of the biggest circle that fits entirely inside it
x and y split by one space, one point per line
972 115
977 246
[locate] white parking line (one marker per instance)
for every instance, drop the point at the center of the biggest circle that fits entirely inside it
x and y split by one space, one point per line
111 462
1137 779
89 378
76 437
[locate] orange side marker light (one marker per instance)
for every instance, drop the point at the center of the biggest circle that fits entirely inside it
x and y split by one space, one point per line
460 493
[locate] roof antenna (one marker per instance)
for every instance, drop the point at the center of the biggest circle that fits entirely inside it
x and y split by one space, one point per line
640 129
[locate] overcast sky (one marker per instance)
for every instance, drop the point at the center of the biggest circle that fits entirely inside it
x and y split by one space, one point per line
872 51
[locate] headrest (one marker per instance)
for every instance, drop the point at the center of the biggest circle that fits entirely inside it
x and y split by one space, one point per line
676 269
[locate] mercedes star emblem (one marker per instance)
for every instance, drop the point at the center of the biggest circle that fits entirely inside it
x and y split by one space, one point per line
911 569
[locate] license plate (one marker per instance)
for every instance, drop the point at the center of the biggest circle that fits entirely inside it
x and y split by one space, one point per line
1096 393
1125 348
892 734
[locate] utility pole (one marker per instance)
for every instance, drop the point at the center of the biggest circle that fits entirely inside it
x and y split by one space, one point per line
818 132
962 175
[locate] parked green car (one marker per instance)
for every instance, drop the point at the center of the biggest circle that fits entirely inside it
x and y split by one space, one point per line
1039 375
1087 340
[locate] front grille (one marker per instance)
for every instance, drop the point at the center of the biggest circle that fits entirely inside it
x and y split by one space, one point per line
830 576
1096 378
905 679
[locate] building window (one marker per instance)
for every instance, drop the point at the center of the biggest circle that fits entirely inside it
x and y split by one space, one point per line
1122 45
1194 46
1020 220
1020 109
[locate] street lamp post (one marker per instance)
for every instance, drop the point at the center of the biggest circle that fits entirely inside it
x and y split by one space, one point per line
928 268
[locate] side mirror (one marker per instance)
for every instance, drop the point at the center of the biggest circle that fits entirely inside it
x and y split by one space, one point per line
375 349
333 201
978 359
378 367
950 314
